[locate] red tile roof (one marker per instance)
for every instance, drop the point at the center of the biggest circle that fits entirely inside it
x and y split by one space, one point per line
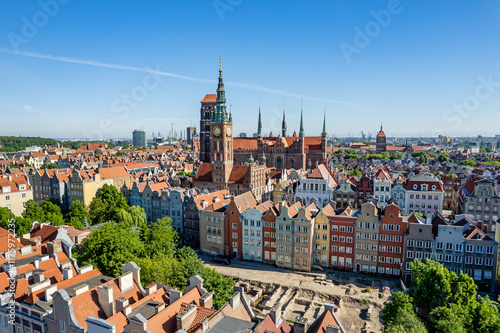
209 98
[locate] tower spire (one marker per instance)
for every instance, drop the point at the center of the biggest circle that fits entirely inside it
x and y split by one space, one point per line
380 127
324 124
220 112
301 131
283 123
259 126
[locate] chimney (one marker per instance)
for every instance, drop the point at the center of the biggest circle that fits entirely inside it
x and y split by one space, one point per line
151 288
38 277
38 286
174 295
159 307
105 296
121 304
235 300
186 317
480 224
26 249
206 300
332 328
81 289
300 325
54 247
67 273
275 313
126 281
49 291
127 310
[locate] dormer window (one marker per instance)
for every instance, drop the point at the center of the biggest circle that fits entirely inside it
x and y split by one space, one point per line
433 187
415 186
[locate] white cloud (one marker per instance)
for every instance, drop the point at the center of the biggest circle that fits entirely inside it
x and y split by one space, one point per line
159 72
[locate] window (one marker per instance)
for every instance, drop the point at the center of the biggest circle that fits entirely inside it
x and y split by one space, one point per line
469 248
479 261
411 243
468 260
489 250
479 249
458 259
439 245
409 254
458 247
449 246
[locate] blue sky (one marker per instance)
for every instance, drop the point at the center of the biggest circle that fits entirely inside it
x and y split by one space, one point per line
419 67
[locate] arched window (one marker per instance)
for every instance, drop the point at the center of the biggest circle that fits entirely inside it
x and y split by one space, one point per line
279 163
292 164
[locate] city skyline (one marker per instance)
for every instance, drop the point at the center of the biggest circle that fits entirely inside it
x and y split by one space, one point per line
363 63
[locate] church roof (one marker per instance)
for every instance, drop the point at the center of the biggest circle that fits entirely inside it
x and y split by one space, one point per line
204 172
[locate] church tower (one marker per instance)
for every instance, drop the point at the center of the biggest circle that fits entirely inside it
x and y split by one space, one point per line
324 139
283 125
221 138
381 144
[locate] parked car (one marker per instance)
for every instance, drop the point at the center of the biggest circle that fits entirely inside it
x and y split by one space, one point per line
225 260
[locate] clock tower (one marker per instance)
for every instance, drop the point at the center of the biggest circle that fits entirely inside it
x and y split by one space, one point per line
221 138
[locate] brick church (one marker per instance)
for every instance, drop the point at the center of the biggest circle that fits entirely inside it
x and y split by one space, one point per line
280 152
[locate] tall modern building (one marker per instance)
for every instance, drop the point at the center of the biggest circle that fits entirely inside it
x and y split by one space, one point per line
190 134
139 138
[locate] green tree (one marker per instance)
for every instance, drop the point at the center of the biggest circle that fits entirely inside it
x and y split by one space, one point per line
406 322
400 302
52 213
160 237
469 163
49 166
444 157
356 173
139 218
221 286
6 215
109 247
159 268
77 214
397 155
106 205
33 212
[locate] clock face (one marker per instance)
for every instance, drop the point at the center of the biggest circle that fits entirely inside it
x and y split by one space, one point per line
229 131
217 131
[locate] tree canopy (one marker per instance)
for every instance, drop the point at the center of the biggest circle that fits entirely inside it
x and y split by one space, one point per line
440 301
106 205
155 249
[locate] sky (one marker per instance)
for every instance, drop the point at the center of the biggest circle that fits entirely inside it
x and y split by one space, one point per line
98 70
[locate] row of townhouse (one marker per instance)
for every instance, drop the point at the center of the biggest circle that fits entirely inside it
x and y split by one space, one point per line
51 184
421 193
363 240
459 245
